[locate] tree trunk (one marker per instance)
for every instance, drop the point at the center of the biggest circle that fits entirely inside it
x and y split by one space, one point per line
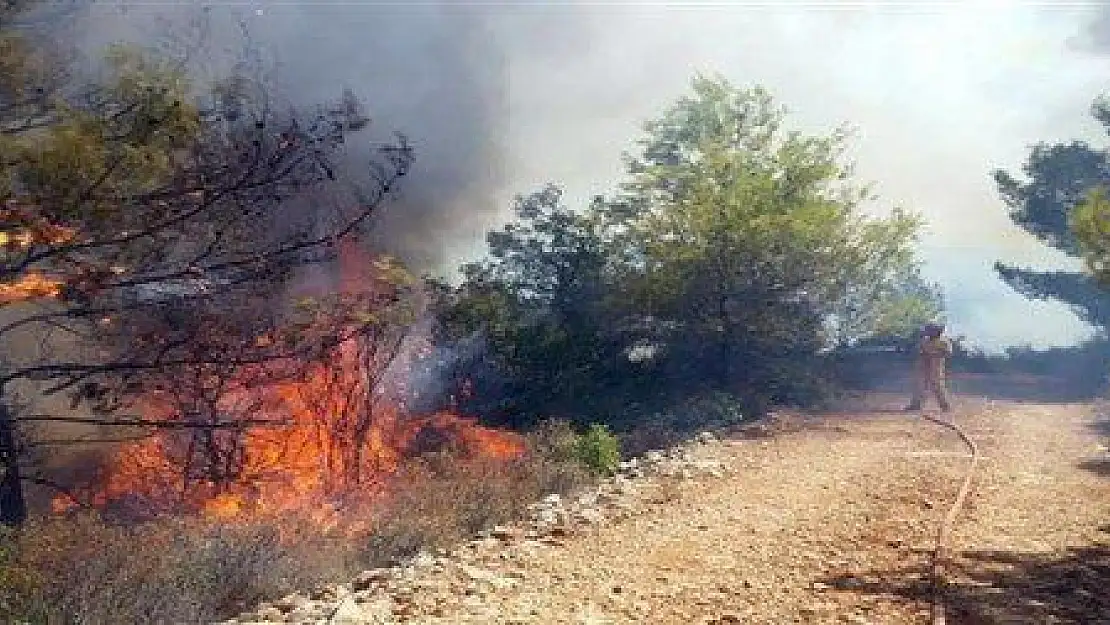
13 506
724 346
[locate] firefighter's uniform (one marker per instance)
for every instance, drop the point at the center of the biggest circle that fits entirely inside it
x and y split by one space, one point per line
932 353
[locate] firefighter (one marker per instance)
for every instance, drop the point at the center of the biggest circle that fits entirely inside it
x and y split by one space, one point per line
933 351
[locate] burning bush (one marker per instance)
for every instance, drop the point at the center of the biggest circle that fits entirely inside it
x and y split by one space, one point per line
333 444
316 433
198 570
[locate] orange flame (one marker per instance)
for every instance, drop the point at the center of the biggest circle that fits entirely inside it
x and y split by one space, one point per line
30 286
323 455
316 460
21 229
340 441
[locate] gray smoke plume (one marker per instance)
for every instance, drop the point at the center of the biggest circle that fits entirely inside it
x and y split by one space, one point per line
501 97
429 71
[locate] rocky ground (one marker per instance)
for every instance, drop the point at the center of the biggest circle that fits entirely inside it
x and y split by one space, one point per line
826 519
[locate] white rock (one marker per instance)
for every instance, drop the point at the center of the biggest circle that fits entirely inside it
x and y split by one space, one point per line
378 612
505 533
307 612
269 614
477 574
290 602
502 583
369 578
422 560
587 499
589 516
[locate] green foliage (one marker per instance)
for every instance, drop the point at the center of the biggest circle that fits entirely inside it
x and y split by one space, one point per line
1090 221
543 302
744 224
1079 290
735 252
1060 203
88 163
1058 177
909 303
699 411
598 450
755 244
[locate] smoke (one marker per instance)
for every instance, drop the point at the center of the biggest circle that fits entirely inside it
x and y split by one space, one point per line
429 71
499 98
941 94
1094 34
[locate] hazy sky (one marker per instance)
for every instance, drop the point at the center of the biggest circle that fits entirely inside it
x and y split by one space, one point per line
501 97
940 95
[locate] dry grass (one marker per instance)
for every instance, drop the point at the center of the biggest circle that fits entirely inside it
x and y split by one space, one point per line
440 502
82 570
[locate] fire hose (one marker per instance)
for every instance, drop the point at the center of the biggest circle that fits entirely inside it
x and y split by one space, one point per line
941 548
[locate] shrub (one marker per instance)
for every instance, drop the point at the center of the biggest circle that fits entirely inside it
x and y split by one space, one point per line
19 597
714 409
598 450
647 437
438 501
79 569
555 440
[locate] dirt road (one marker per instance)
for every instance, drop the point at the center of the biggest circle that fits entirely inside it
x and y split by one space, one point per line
827 519
834 523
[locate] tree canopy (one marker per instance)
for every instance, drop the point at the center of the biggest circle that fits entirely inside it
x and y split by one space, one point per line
1091 224
733 254
1059 203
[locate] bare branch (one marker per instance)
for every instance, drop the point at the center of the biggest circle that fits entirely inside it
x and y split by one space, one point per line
56 442
235 424
85 370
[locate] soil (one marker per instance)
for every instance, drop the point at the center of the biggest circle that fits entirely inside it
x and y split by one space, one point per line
817 519
835 523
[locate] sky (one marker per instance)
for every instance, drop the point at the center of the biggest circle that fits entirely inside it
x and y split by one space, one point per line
500 98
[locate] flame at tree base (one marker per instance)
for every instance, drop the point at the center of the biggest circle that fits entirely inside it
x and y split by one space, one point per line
284 471
340 441
336 451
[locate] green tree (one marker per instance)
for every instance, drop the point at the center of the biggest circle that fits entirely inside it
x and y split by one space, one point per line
734 254
1090 222
1057 179
895 312
542 302
755 246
